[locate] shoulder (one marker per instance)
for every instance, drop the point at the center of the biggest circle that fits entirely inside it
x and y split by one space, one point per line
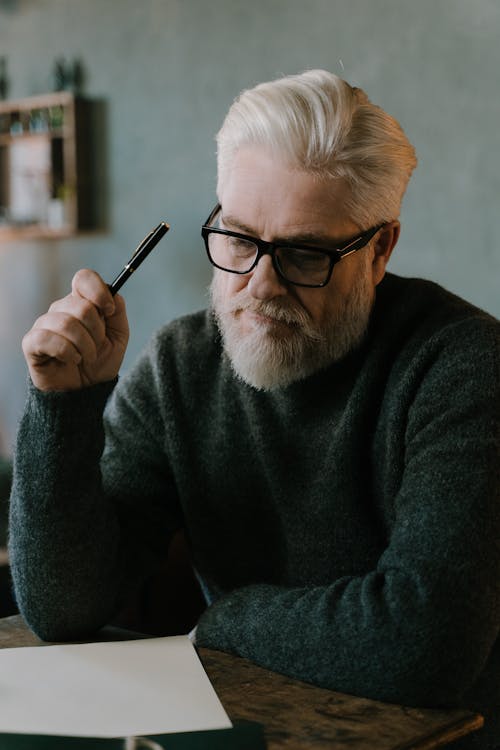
180 356
428 299
442 355
182 336
424 316
435 348
187 348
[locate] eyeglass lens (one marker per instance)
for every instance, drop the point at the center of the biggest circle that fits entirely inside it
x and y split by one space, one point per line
238 255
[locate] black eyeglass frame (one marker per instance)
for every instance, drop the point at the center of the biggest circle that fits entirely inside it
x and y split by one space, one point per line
335 255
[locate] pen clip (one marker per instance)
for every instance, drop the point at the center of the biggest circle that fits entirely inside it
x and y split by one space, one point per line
141 245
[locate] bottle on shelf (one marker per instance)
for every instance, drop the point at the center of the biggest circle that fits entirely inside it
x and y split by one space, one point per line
61 75
56 117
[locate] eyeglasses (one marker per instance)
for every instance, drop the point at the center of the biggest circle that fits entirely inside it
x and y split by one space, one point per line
302 265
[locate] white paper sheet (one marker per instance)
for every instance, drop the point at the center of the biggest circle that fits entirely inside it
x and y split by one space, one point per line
116 689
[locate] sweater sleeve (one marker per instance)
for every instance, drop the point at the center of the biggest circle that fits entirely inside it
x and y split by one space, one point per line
87 524
418 628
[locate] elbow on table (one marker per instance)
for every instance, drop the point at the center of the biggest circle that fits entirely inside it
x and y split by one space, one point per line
429 669
55 612
419 688
52 623
426 688
437 675
56 630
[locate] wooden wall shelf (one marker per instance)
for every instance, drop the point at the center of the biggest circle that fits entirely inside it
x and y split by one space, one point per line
45 167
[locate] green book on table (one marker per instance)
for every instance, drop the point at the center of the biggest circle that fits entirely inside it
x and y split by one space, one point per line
244 735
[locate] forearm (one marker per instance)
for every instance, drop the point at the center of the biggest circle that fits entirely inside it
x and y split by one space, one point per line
380 636
64 535
416 629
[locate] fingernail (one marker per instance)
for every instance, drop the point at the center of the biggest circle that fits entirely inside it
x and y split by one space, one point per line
109 309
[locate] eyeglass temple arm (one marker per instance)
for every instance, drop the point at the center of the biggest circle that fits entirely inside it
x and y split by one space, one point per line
359 242
212 214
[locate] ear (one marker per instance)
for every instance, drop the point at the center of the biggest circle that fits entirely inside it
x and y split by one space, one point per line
384 245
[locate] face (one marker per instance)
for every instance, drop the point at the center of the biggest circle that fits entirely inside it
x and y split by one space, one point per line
276 333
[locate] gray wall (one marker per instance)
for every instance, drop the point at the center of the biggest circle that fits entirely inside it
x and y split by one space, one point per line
168 70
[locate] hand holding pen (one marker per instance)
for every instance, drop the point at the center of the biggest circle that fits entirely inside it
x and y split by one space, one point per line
81 340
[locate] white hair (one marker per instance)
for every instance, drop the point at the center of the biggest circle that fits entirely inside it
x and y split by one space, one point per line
318 123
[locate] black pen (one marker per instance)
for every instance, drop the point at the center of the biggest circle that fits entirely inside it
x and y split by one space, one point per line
140 253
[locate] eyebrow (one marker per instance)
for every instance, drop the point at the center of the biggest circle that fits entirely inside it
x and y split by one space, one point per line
306 238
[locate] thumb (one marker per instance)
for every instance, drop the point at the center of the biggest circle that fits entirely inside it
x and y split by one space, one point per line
116 320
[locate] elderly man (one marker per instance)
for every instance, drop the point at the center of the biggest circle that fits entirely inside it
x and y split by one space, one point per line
326 434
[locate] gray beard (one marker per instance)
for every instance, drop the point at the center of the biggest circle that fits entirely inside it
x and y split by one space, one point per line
266 361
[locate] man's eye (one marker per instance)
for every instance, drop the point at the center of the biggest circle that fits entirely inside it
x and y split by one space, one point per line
240 248
305 259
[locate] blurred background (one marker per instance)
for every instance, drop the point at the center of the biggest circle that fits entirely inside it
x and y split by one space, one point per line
166 71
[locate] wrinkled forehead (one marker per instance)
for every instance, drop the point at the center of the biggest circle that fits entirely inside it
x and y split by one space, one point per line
261 190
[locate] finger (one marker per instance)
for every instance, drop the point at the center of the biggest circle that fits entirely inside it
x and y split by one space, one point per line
85 312
41 346
89 285
68 327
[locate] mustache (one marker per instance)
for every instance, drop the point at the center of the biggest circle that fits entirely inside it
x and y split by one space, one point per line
285 311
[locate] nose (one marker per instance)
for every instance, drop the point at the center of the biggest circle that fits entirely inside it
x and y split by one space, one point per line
264 282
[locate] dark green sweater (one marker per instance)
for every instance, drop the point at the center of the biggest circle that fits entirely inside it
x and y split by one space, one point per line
346 528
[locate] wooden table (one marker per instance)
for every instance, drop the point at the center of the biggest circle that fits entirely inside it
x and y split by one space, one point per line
299 716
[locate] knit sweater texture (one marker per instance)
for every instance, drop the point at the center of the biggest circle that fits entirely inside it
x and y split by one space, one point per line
346 528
